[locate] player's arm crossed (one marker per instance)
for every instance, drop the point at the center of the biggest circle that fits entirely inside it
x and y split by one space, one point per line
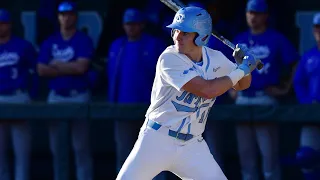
84 51
43 67
78 67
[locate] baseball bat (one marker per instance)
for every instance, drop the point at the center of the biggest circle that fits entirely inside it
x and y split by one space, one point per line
175 5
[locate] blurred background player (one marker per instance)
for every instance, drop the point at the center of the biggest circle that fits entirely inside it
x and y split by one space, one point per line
278 54
64 58
17 58
307 88
130 72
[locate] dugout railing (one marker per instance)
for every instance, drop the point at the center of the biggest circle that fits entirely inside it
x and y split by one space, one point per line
291 117
94 111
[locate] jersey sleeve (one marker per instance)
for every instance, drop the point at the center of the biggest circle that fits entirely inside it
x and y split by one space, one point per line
175 71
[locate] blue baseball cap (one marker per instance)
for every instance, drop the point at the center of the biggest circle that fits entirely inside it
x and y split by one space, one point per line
132 15
316 19
257 6
67 6
4 16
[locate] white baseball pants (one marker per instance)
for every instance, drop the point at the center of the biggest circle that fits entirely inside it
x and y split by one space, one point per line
155 151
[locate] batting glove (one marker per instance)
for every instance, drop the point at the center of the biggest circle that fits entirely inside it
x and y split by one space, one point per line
248 64
240 52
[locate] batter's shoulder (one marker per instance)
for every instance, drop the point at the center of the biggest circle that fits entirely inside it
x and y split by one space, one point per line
213 52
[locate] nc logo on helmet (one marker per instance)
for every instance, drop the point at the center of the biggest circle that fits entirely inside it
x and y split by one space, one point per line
179 18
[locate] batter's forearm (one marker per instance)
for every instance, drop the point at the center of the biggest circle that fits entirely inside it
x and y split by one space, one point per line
209 89
220 85
243 84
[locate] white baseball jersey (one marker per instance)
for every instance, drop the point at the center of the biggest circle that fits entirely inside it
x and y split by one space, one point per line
175 108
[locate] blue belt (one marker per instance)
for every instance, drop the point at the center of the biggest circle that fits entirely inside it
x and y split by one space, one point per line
185 137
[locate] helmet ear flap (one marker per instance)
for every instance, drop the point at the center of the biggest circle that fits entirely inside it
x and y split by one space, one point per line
201 40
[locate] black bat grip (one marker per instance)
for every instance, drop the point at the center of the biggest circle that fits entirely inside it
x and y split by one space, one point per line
260 65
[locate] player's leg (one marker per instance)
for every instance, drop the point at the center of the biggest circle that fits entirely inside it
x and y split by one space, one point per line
125 142
81 141
268 141
58 141
58 131
195 161
247 150
308 155
152 153
21 138
81 146
4 166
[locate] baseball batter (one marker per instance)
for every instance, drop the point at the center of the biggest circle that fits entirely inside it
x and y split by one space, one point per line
189 77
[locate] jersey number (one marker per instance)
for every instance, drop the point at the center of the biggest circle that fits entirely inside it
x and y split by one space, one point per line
14 73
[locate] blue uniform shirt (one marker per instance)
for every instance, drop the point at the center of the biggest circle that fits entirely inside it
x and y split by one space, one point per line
56 48
17 58
131 69
274 50
307 78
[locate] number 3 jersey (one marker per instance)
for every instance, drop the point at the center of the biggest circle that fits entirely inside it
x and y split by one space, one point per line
17 58
175 108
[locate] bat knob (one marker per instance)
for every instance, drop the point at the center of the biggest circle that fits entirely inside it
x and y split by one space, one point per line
260 65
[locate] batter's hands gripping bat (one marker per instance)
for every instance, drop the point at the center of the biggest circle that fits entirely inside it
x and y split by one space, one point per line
175 5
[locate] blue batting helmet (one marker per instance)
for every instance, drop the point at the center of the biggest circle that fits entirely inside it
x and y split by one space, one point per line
194 19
